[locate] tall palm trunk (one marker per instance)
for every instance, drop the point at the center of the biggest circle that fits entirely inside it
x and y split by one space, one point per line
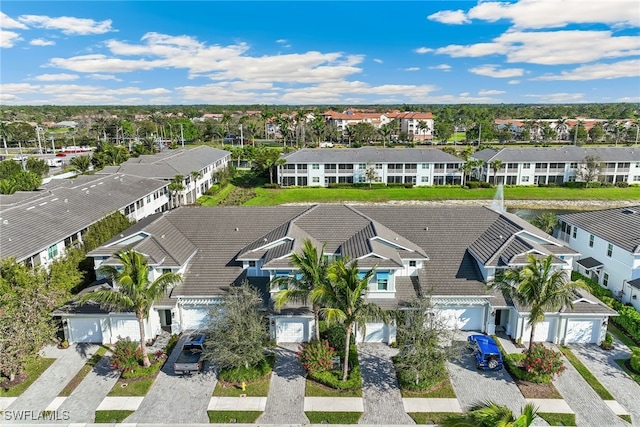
347 342
143 340
316 315
533 331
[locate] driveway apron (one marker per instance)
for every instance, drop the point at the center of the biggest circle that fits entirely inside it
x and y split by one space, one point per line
590 409
175 399
285 402
380 391
82 403
46 388
602 364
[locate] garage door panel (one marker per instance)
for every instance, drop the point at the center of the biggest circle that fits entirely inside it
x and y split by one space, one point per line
194 318
581 331
543 332
374 332
85 330
463 318
290 330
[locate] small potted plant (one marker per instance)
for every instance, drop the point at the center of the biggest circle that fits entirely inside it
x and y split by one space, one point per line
63 344
607 343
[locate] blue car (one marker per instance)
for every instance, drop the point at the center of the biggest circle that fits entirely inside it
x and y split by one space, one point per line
486 352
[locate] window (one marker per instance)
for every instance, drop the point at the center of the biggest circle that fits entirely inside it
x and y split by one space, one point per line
636 178
166 270
425 166
382 278
574 165
316 179
591 237
424 179
525 179
526 165
283 285
302 166
575 232
411 166
412 263
609 250
605 280
330 166
378 165
52 252
252 264
362 166
315 166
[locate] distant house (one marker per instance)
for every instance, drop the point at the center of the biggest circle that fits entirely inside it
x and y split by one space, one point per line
419 126
609 243
446 253
534 166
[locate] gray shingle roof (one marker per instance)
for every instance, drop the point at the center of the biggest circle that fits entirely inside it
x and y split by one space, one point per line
563 154
590 263
620 226
371 155
583 303
31 226
635 283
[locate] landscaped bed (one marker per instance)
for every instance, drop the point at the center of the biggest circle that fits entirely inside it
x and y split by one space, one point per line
259 388
314 389
431 417
333 417
83 372
239 417
114 416
32 371
442 390
558 419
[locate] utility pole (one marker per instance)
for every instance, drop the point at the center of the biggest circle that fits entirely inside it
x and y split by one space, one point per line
38 135
182 135
24 167
53 145
575 134
241 137
479 133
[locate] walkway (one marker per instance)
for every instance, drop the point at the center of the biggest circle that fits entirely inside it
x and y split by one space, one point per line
285 402
47 387
175 399
602 364
381 394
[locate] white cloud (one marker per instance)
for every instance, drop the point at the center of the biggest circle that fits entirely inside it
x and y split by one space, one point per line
561 97
549 14
513 82
9 23
282 41
412 69
423 50
449 17
56 77
616 70
489 70
379 61
18 88
629 99
42 42
488 92
441 67
104 77
551 47
8 38
67 24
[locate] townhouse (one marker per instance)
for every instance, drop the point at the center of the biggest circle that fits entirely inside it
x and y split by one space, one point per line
197 166
419 126
418 166
609 243
446 253
534 166
38 227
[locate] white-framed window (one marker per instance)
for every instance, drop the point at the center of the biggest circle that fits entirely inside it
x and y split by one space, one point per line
609 250
52 251
605 279
425 166
315 179
252 264
362 166
575 232
382 279
591 239
315 166
378 166
525 179
636 178
424 179
526 165
413 263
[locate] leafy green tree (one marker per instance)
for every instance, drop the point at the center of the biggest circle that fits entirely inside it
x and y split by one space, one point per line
103 230
267 160
385 132
311 272
546 222
237 333
491 414
444 130
596 133
370 174
590 169
5 134
496 165
540 286
344 303
364 132
318 127
175 187
8 186
81 163
134 291
37 166
22 132
27 181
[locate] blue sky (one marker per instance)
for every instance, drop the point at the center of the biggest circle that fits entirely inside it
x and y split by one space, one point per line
305 52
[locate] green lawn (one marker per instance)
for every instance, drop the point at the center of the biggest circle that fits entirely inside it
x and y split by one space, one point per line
334 417
558 419
442 390
137 387
34 369
83 372
431 417
111 417
240 417
627 418
623 364
586 374
255 389
613 329
267 197
318 390
216 198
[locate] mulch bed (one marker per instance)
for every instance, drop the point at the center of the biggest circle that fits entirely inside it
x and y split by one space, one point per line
538 391
19 379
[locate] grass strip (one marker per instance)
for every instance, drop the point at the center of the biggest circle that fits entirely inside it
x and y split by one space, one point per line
133 387
624 364
316 417
432 417
558 419
216 198
33 370
621 336
626 417
444 390
314 389
586 374
83 372
114 416
258 388
239 417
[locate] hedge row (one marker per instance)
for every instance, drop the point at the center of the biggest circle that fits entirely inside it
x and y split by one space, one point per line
629 317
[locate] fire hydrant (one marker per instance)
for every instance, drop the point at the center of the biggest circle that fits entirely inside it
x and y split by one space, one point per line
244 386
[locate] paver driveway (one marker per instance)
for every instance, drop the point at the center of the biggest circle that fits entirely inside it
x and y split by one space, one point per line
174 399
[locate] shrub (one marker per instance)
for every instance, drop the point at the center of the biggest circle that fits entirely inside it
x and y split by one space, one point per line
485 184
336 336
575 184
541 361
126 356
333 378
622 184
407 379
635 359
252 373
607 343
316 356
274 185
473 184
141 371
171 344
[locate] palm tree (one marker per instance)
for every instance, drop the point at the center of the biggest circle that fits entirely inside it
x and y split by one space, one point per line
81 163
5 133
311 272
496 165
546 222
343 300
539 286
491 414
134 291
175 186
385 131
562 128
423 128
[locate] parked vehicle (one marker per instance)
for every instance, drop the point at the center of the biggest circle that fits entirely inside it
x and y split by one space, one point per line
486 352
190 359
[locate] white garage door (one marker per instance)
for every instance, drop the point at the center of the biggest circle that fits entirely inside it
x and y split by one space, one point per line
290 330
374 332
85 330
581 331
544 331
194 318
122 328
463 318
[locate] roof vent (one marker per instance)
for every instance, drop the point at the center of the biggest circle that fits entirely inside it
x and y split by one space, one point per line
500 236
162 237
629 211
237 228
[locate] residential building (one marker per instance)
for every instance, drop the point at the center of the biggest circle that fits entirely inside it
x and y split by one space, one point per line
446 253
609 243
418 166
534 166
349 118
196 165
419 126
38 227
